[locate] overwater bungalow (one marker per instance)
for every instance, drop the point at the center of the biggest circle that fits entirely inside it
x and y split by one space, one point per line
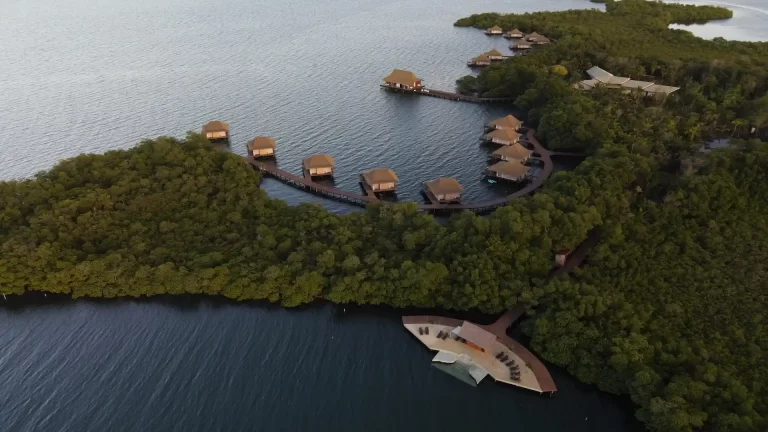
216 130
495 30
513 152
262 146
379 180
520 44
402 79
513 34
443 190
508 122
480 61
318 165
502 136
494 55
537 39
508 170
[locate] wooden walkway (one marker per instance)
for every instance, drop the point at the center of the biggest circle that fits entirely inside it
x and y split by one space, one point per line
447 95
541 153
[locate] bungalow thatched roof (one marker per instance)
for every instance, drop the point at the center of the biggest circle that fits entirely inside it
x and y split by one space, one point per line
514 151
495 29
261 143
319 161
503 134
380 175
444 186
507 122
482 58
510 168
401 76
494 53
215 126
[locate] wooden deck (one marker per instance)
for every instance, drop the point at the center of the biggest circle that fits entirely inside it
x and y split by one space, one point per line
448 95
544 155
499 329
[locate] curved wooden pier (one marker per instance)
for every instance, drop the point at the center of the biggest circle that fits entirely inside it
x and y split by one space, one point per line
447 95
544 155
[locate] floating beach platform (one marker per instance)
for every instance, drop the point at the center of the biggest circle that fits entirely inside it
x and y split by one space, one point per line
482 350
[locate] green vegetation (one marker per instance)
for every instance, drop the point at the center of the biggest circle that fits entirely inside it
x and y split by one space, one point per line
670 307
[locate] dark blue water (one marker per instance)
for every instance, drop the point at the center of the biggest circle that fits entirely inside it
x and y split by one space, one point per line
200 365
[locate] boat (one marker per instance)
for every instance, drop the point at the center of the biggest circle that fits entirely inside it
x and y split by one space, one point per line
491 181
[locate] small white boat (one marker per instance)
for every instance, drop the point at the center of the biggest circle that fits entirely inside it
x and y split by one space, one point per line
491 181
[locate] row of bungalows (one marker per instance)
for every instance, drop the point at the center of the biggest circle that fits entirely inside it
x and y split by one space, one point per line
512 155
601 78
529 41
486 58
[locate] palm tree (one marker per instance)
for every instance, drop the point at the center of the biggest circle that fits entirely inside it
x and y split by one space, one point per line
736 123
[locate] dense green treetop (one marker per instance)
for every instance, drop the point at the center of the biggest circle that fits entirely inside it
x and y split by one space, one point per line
669 307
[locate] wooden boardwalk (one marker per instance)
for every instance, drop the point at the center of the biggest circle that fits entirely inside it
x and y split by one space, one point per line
448 95
541 153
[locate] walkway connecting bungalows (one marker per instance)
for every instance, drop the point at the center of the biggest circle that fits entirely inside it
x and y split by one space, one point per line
216 130
318 165
443 190
262 146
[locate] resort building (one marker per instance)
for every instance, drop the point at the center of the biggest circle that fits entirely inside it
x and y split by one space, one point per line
537 39
502 136
262 146
380 180
603 78
512 152
216 130
513 34
480 61
403 79
443 190
509 122
508 170
495 54
318 165
520 44
471 352
495 30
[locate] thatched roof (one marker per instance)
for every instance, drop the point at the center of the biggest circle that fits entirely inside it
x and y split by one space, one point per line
494 53
515 151
515 32
444 186
319 161
495 28
535 37
482 58
401 76
380 175
261 143
503 134
511 168
510 122
215 126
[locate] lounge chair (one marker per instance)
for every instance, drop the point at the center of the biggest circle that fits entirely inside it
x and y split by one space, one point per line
421 331
426 330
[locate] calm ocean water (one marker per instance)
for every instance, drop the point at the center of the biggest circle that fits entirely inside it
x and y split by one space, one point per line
95 75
